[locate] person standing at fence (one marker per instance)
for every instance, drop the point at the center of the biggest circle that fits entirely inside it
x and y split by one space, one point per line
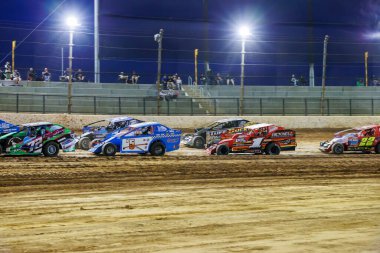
16 76
294 80
32 75
46 76
135 77
230 80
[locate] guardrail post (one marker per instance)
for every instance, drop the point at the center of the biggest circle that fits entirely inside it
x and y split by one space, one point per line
283 106
94 105
350 100
17 100
191 107
305 100
144 106
119 105
168 108
214 106
237 107
261 107
43 104
328 107
372 109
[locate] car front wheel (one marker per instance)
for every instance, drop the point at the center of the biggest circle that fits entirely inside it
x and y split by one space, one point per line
337 148
222 150
109 149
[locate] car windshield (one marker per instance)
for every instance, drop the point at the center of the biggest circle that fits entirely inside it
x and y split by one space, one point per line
347 132
213 124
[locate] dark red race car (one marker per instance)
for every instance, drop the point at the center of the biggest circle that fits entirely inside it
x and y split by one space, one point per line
363 139
257 139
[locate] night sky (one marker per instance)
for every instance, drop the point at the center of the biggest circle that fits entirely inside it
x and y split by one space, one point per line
287 36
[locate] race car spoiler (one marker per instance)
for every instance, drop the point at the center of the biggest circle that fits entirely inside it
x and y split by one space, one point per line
6 127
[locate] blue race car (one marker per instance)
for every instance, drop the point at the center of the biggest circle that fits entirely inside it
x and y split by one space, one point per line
142 138
93 133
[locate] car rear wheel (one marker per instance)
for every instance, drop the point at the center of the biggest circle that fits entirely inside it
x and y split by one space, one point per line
50 149
337 148
222 150
377 148
84 143
199 142
157 149
109 149
272 149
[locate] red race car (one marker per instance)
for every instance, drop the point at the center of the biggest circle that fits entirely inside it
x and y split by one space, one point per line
257 139
364 139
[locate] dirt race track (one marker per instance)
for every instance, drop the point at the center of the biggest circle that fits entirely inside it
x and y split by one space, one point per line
302 201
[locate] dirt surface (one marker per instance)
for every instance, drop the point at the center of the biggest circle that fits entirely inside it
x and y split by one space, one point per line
302 201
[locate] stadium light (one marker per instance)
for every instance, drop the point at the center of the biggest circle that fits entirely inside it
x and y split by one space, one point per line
244 32
72 23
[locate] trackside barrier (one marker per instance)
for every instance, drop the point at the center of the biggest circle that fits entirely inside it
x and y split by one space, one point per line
265 106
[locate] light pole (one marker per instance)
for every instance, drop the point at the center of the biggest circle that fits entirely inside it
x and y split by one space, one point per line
72 23
158 38
244 32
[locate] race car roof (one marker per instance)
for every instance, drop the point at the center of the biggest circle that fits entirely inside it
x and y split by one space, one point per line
227 120
144 124
37 124
255 126
119 119
366 127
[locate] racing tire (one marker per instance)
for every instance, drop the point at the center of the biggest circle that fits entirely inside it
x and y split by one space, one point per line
199 142
222 150
337 148
50 149
377 148
272 149
109 149
84 143
157 149
94 142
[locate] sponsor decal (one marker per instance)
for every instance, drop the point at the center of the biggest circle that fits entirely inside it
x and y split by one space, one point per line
283 134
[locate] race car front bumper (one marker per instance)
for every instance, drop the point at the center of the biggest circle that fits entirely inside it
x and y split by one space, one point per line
211 150
325 146
188 140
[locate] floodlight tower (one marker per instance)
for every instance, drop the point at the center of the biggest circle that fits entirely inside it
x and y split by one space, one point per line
72 23
244 32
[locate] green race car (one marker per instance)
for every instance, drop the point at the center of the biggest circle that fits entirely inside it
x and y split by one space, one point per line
36 138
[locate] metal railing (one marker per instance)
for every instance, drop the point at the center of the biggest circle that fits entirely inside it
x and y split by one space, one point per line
48 103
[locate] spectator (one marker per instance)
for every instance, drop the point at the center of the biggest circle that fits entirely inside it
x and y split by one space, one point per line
302 81
219 79
16 76
230 79
46 76
164 81
80 77
294 80
375 81
2 76
66 75
31 75
202 79
359 82
123 78
8 71
179 83
135 77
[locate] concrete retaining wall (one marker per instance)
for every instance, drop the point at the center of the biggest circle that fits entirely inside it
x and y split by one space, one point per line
75 121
